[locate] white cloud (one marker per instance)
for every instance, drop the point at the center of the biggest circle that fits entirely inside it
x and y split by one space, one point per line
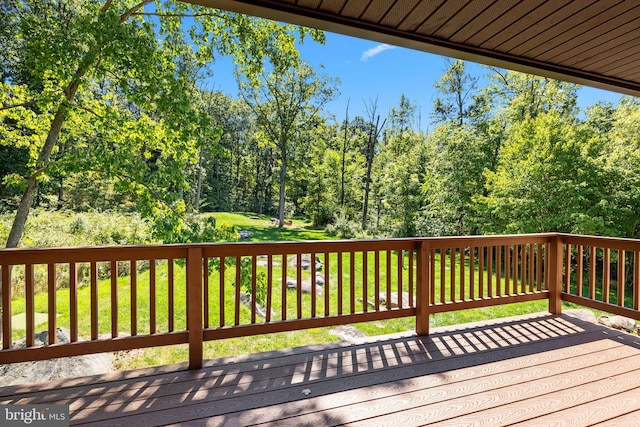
375 50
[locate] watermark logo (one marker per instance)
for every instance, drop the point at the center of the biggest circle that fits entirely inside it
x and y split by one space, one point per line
34 415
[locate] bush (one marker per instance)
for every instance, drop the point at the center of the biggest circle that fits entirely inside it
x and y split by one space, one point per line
344 227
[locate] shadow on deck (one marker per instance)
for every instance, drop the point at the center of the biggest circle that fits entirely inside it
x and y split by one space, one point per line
535 370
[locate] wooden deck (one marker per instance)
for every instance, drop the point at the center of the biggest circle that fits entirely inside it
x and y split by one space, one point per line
532 370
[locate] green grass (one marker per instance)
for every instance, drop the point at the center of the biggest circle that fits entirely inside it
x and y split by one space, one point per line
260 230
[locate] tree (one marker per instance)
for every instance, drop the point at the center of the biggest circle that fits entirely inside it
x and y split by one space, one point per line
373 134
457 101
285 100
544 182
90 71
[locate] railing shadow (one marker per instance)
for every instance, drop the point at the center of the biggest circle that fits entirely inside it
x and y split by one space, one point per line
295 385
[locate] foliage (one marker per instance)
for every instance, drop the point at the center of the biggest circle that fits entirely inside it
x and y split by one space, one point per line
108 88
47 229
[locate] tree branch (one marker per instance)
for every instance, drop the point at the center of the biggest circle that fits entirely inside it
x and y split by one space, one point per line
22 104
134 10
106 6
178 15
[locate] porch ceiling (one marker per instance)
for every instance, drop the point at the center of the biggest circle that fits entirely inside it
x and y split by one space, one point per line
590 42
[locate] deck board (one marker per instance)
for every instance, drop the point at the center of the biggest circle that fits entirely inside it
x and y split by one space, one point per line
534 370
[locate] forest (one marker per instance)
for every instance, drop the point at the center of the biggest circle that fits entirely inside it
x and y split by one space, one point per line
103 109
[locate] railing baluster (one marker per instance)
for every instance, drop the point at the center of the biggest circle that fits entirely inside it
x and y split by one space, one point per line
237 290
579 270
339 282
388 304
365 273
283 295
152 297
490 251
636 280
481 272
51 284
204 264
567 268
452 274
352 282
313 284
443 274
134 297
30 306
114 298
472 268
171 292
514 260
606 275
400 268
376 262
523 268
327 270
299 285
73 301
507 269
498 270
254 294
462 281
539 268
531 250
592 272
411 279
221 300
621 278
6 306
432 272
547 263
269 287
94 300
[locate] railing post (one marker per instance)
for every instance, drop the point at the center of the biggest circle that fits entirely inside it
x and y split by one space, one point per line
194 306
555 275
423 279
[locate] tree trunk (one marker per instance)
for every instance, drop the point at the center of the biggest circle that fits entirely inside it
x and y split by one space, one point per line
196 208
283 176
374 132
344 154
88 61
32 186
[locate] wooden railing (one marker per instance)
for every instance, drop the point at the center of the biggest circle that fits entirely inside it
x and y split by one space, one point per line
602 273
121 298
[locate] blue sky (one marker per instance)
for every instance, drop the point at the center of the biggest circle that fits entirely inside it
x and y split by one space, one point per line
370 70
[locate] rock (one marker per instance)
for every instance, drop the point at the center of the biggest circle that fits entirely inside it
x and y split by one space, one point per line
244 234
618 322
624 323
394 299
305 286
582 314
245 299
305 263
52 369
604 320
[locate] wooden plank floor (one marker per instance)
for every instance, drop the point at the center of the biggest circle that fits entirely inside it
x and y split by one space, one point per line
536 370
